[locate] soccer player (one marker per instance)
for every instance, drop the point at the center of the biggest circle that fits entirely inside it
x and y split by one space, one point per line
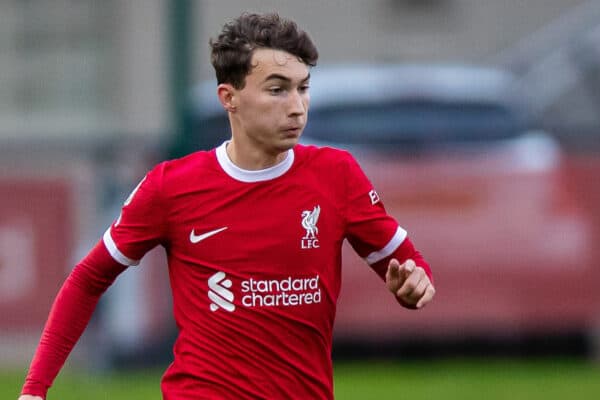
253 232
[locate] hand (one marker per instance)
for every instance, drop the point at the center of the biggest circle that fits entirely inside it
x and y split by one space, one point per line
29 397
409 283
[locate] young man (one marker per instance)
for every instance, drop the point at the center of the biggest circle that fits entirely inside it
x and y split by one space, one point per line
253 232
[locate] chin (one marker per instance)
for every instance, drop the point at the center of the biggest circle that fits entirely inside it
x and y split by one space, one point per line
288 143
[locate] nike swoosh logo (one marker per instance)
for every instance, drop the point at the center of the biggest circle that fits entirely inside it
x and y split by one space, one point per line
198 238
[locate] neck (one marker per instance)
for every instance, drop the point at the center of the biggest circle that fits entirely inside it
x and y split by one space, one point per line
252 159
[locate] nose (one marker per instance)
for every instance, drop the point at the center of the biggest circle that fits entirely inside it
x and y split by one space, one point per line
297 103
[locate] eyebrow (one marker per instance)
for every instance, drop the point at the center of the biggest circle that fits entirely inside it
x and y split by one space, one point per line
284 78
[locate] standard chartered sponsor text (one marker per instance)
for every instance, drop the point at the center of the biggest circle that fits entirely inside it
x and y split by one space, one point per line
281 292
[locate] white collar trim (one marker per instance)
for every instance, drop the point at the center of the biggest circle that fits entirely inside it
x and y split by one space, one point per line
246 175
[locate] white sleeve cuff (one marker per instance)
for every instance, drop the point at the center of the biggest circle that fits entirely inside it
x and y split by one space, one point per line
115 252
389 248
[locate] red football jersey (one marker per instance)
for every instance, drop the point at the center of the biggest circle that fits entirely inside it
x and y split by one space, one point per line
255 265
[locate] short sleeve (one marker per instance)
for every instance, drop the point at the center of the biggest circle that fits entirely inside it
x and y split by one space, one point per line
372 233
140 225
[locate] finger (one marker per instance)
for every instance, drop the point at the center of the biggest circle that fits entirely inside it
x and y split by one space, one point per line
419 290
409 285
393 271
427 296
392 276
407 268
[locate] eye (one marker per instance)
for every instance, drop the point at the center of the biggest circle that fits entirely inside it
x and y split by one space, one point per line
275 90
303 88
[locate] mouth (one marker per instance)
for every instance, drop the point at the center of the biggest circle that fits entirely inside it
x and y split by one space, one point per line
293 130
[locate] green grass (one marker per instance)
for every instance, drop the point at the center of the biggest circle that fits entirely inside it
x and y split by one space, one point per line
71 385
469 379
448 380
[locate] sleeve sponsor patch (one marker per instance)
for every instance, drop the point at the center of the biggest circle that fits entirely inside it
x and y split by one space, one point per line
374 197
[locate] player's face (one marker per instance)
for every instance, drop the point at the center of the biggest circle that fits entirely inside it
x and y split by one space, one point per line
272 108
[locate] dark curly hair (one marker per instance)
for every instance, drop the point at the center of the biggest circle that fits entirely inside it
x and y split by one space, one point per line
231 51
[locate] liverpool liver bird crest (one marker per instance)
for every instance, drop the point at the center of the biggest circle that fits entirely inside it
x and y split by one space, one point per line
309 222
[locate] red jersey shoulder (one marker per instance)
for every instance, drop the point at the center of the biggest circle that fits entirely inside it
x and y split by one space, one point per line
176 173
190 165
329 158
339 165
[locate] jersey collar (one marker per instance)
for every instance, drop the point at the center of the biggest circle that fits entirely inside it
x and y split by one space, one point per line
260 175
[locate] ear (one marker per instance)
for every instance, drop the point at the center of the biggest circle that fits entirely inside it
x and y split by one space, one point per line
227 96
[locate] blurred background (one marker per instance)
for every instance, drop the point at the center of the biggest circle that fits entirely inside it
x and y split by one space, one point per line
478 122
